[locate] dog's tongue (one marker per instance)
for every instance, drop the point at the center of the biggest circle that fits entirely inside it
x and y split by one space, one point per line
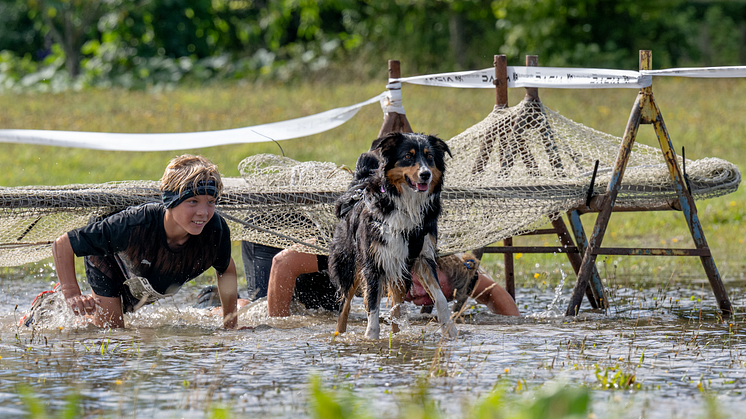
422 187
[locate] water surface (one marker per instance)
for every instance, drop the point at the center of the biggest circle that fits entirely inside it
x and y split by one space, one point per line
176 361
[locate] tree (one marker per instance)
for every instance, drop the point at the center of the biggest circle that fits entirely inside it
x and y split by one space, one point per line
18 32
70 23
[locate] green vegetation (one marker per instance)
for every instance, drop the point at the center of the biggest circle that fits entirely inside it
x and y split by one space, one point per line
556 402
37 409
53 45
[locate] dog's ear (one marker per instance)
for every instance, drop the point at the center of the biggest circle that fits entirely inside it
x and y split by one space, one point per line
440 148
386 144
439 145
376 143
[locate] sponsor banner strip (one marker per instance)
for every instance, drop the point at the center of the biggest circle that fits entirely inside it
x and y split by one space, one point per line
702 72
567 78
552 77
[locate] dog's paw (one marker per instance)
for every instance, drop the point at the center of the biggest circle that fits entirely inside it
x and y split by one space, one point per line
373 333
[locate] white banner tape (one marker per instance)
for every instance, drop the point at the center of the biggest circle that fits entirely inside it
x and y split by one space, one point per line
285 130
554 77
568 78
547 77
703 72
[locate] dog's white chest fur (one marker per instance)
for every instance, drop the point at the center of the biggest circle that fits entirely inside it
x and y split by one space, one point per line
395 229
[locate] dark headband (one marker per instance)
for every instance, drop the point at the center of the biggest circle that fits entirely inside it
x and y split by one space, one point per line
204 187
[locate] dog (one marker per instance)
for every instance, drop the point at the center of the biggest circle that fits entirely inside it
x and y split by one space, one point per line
388 227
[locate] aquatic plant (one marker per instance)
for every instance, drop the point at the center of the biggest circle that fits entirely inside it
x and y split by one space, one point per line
329 404
615 377
549 402
72 408
37 410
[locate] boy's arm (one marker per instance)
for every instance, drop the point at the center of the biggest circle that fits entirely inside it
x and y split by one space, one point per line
64 264
487 292
228 291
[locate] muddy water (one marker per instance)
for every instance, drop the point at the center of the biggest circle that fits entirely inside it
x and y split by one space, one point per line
175 361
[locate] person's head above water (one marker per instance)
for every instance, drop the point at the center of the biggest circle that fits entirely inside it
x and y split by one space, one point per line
187 176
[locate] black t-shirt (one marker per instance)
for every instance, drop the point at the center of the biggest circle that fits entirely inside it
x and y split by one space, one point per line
137 237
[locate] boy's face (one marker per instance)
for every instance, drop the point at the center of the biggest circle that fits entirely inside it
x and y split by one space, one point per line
194 213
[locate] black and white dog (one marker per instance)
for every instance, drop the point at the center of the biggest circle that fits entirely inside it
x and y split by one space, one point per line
388 227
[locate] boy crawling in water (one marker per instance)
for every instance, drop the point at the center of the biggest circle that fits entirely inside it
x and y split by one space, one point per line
148 252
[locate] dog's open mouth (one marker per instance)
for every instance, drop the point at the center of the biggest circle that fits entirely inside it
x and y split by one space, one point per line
420 187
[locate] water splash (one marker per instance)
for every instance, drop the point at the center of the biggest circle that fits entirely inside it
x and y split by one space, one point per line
53 313
554 308
402 321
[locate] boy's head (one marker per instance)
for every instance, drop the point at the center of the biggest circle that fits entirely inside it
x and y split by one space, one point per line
188 176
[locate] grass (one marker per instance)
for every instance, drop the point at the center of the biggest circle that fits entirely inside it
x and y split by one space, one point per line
702 115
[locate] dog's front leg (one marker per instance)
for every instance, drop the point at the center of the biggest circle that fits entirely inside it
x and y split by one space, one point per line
429 276
373 304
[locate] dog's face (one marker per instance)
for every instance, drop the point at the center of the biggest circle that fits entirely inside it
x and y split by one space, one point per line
413 161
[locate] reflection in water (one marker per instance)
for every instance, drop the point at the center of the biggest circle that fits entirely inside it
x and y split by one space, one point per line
175 361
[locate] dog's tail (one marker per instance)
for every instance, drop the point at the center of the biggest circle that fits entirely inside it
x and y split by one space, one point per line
365 169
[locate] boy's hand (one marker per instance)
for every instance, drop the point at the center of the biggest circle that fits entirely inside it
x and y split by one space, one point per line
64 264
83 304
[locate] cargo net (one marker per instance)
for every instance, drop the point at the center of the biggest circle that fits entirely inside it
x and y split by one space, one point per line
511 173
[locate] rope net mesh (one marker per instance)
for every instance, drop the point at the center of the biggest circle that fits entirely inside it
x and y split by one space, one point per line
511 173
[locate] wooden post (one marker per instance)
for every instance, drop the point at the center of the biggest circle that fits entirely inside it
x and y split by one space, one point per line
580 238
509 269
394 122
500 63
501 101
532 93
526 121
501 80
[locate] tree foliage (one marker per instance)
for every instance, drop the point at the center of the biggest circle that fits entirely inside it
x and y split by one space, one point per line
136 43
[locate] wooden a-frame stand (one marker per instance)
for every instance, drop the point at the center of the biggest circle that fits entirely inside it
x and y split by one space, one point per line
589 283
645 111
